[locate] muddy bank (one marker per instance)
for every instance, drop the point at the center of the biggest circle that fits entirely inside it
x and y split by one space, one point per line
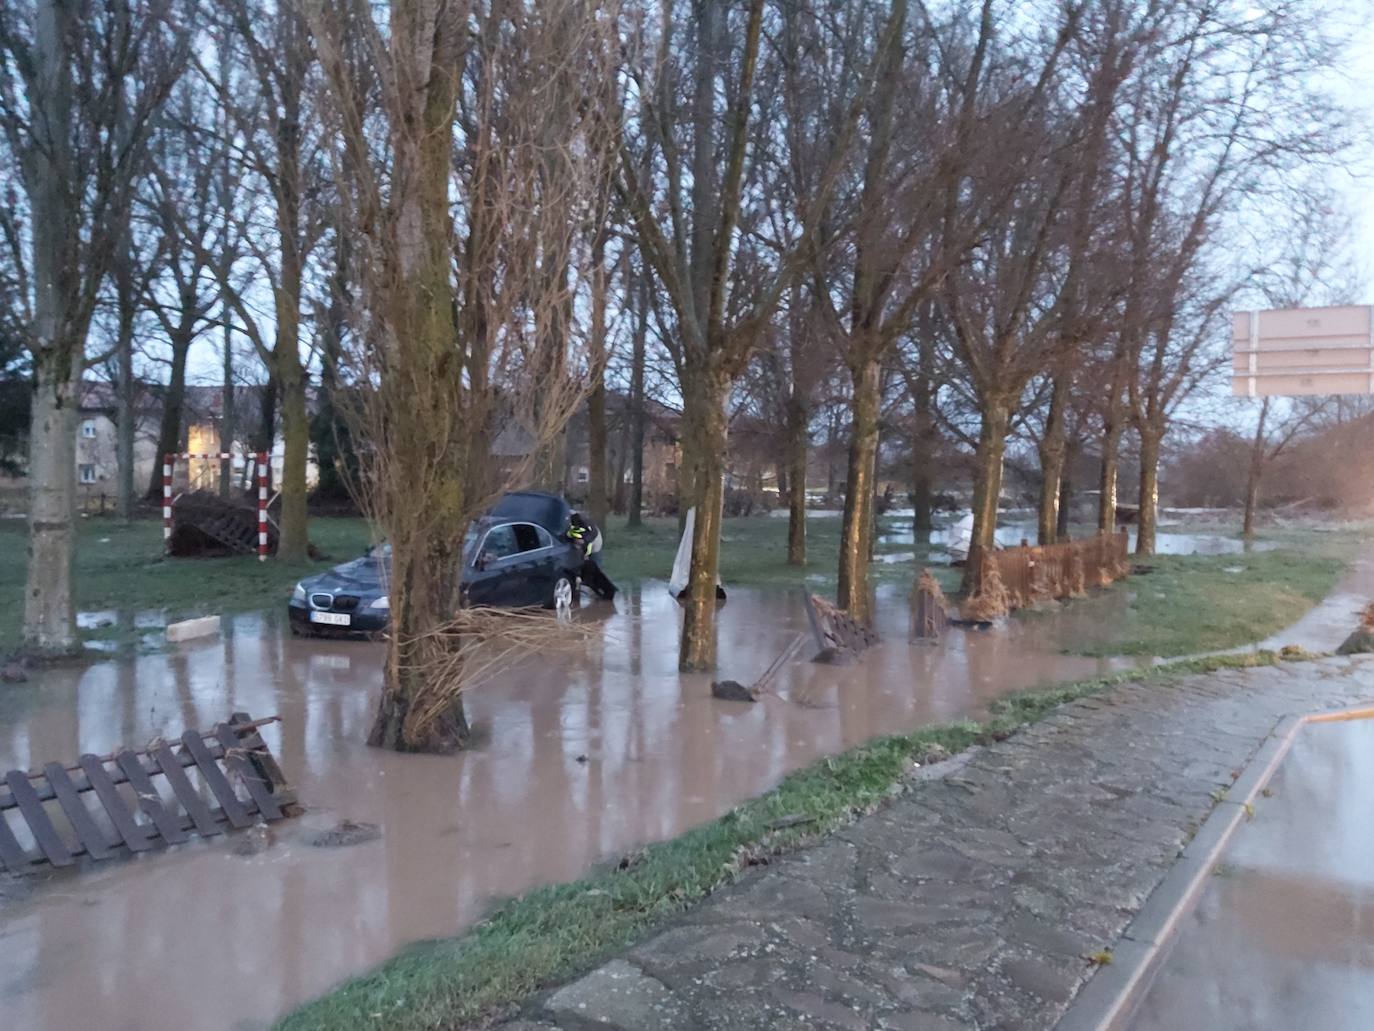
583 762
1283 936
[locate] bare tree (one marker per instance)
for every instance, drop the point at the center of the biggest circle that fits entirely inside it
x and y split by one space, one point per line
175 208
1307 263
467 183
278 144
78 91
1223 106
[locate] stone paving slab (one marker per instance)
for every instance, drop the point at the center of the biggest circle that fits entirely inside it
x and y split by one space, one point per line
972 901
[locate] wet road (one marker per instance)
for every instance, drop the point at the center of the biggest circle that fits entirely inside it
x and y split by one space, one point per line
1331 621
1283 937
583 762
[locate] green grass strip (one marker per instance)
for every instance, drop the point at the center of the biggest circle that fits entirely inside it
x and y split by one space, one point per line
555 933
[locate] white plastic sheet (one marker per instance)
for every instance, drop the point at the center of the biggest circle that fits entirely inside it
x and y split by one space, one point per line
682 562
961 538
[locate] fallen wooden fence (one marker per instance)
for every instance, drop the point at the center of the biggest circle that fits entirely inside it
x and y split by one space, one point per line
197 790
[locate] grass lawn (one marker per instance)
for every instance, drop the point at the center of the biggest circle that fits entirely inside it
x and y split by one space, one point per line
1187 605
1200 603
121 567
754 553
556 933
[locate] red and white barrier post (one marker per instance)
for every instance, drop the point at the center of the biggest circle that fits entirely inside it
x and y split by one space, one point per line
262 506
167 461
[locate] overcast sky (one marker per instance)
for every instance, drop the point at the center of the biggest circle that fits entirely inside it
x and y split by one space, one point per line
1355 20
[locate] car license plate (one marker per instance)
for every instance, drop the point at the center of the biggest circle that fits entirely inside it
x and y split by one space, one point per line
331 618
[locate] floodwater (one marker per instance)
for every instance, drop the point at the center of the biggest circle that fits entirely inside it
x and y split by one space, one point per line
1010 533
1283 936
587 756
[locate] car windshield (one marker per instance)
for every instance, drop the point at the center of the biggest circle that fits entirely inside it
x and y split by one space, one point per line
475 531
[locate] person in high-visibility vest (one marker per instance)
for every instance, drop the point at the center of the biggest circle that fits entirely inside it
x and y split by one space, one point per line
584 532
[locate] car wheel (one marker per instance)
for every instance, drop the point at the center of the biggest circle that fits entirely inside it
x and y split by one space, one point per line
564 591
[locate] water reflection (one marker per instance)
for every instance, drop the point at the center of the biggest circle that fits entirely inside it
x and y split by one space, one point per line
1284 938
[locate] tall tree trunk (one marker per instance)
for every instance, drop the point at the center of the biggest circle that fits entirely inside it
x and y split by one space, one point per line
49 612
797 420
597 502
922 456
1113 424
266 433
293 542
857 527
1256 471
173 404
704 450
987 487
414 712
1106 483
1052 463
124 405
228 423
636 503
1065 513
1149 491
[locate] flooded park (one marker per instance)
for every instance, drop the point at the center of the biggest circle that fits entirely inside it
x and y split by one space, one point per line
583 756
583 759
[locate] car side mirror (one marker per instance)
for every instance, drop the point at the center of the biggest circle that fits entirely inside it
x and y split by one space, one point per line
481 561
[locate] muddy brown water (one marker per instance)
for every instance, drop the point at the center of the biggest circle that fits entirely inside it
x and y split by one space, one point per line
1283 936
588 754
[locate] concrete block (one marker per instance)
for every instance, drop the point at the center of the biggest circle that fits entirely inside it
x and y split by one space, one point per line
188 629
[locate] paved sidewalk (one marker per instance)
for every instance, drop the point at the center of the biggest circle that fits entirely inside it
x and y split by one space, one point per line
972 901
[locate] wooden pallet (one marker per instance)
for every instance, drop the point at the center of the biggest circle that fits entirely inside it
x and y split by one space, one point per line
206 783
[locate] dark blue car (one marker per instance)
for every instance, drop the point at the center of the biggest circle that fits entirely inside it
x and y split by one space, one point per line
518 554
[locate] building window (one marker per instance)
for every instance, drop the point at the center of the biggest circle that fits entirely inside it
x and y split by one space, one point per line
582 475
88 429
87 473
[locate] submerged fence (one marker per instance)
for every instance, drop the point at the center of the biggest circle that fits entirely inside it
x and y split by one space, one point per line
1016 577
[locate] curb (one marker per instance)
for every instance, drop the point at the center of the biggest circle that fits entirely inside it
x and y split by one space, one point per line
1109 999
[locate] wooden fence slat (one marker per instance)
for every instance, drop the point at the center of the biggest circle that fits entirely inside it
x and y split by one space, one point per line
93 837
32 809
137 836
263 757
186 792
11 854
148 798
256 784
220 787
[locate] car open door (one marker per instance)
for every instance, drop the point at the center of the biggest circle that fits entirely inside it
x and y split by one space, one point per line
535 563
489 580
